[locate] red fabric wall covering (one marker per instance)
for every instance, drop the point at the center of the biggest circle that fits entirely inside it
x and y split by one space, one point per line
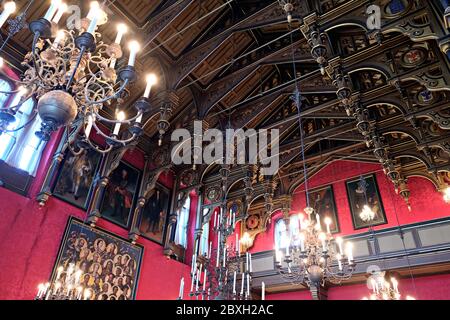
421 288
30 238
427 204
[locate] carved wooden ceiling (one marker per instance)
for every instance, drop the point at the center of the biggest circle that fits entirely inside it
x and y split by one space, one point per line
233 60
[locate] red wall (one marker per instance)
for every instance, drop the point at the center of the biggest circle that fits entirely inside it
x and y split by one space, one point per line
426 202
30 237
423 288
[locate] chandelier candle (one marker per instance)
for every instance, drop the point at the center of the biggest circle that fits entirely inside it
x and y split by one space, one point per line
120 117
9 8
96 15
61 10
151 81
180 295
52 10
134 48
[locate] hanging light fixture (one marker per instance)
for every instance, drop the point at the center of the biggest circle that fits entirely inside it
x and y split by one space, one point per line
384 289
66 286
314 256
73 76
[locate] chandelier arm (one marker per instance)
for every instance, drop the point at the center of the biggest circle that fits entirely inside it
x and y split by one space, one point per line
77 65
11 79
33 54
114 96
23 126
9 93
123 142
128 121
97 149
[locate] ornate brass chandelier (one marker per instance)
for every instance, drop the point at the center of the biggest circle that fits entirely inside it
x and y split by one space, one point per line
66 286
215 276
384 289
73 76
313 257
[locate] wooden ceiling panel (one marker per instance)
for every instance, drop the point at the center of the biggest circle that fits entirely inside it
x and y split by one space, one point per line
247 86
138 10
176 44
225 53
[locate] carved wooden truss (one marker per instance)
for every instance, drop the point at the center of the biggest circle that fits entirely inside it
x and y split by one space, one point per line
378 96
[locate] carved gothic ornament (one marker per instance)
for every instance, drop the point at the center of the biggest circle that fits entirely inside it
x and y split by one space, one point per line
214 193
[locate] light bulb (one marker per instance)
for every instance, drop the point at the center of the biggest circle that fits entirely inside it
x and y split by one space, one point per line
121 30
134 47
121 116
447 195
10 7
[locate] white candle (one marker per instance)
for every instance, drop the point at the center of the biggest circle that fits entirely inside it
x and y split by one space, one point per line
328 223
89 125
192 264
234 283
246 261
339 257
134 48
242 284
218 255
180 295
319 226
151 81
339 242
52 10
8 9
350 253
204 280
224 257
120 117
61 10
263 291
59 37
121 30
277 256
237 241
215 219
287 250
250 259
323 238
192 282
113 63
248 285
373 285
210 249
139 118
302 242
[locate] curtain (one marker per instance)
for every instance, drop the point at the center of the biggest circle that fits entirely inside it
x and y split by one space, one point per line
182 224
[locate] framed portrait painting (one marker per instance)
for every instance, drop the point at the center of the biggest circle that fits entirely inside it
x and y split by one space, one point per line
364 191
75 180
109 264
120 194
322 201
153 220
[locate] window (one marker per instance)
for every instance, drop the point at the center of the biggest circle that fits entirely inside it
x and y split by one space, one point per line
284 235
204 240
21 149
182 224
281 235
